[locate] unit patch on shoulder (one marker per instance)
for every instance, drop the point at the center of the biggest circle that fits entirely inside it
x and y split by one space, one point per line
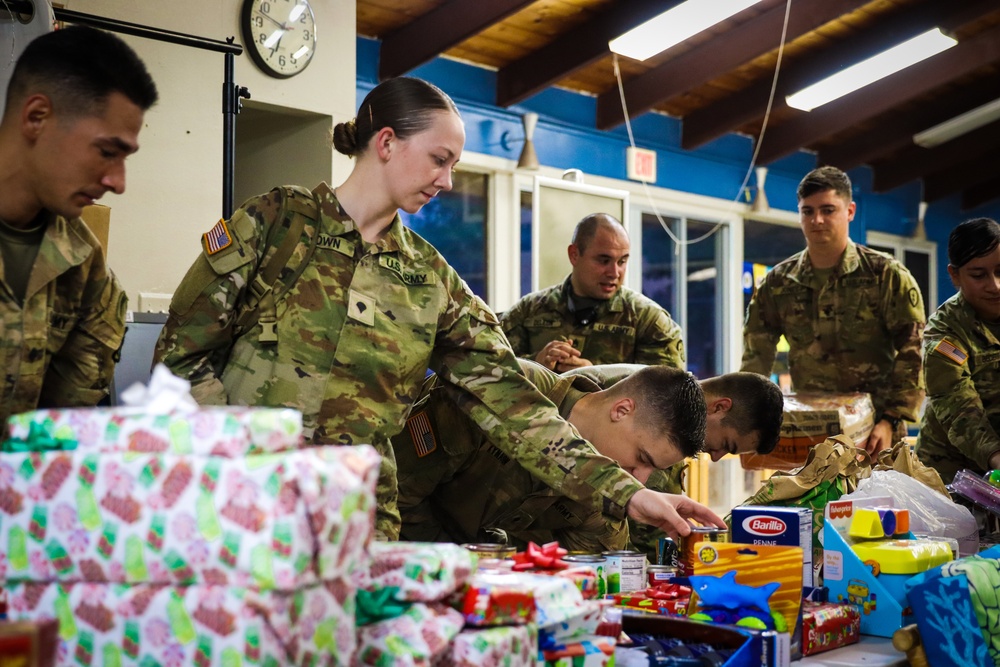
217 238
946 348
422 434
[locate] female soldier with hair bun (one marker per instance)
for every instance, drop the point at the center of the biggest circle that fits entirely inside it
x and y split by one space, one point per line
961 423
343 320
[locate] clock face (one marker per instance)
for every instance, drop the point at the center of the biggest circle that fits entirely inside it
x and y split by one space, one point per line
280 35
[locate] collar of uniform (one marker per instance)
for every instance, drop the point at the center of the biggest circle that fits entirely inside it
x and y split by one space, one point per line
560 298
973 321
570 389
804 273
66 243
340 224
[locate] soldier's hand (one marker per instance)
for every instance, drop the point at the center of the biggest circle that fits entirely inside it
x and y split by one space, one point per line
572 362
669 512
556 352
880 438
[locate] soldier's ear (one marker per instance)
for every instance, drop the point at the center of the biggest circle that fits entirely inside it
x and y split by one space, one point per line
720 404
36 112
385 142
953 274
574 253
621 409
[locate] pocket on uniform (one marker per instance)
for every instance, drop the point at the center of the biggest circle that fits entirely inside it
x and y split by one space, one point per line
61 323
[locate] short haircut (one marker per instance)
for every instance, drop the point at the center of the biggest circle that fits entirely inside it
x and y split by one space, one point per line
405 104
587 228
823 179
77 68
669 401
971 239
758 405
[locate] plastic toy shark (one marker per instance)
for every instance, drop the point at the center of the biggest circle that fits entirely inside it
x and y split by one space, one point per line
726 593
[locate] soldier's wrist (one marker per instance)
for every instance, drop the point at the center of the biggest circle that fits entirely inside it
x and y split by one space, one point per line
893 420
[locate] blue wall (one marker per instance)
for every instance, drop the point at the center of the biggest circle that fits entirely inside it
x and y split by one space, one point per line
566 138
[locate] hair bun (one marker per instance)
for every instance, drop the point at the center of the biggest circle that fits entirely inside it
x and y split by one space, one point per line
345 138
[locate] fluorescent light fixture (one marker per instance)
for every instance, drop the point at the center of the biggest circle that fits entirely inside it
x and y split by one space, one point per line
959 125
868 71
674 26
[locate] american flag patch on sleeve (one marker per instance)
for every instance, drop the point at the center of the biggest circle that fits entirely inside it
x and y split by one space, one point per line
217 238
422 434
949 350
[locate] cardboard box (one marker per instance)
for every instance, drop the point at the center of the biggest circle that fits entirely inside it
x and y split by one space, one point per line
777 526
98 219
811 418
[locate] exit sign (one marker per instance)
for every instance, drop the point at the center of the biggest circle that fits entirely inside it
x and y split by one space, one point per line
641 164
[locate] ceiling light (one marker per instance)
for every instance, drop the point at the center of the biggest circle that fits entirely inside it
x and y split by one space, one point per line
868 71
959 125
674 26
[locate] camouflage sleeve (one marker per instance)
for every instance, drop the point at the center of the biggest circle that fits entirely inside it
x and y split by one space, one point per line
661 342
512 323
761 331
200 328
646 538
471 355
595 535
904 308
80 374
956 403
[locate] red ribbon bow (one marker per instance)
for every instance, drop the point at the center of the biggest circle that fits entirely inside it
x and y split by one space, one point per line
545 557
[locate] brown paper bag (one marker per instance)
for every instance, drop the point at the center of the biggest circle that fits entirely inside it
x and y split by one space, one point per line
902 458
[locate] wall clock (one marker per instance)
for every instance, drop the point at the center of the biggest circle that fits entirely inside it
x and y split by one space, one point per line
279 35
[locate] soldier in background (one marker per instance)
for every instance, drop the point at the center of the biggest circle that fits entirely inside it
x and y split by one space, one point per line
74 108
852 316
456 485
368 306
961 423
591 318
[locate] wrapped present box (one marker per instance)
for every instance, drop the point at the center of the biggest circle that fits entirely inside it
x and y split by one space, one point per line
424 572
827 626
218 431
114 624
420 637
505 646
274 521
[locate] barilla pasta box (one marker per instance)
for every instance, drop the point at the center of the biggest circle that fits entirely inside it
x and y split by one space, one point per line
778 526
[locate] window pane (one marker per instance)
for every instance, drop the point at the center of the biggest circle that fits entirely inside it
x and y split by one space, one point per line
882 248
919 264
704 308
764 245
659 263
526 198
455 223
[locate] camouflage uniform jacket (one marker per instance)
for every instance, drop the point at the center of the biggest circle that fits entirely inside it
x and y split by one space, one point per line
456 485
628 328
59 347
859 331
356 334
961 423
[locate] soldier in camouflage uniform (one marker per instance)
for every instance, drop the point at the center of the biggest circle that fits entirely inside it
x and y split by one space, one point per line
745 412
375 305
456 485
73 112
961 422
591 318
852 316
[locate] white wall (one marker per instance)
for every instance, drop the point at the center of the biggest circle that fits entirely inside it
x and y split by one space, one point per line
174 187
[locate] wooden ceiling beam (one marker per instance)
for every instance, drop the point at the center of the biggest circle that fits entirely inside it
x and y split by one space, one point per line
750 104
969 174
574 50
915 161
430 35
870 101
980 194
896 130
707 61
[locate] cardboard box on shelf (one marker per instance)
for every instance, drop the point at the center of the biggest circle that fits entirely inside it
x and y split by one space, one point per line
811 418
98 219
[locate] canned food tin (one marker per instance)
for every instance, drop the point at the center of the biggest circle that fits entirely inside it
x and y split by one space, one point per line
659 574
626 571
685 566
667 552
596 561
486 550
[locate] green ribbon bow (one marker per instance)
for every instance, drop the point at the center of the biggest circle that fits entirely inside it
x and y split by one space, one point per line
380 605
39 439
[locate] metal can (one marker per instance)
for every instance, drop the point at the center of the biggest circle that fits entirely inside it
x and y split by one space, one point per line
596 561
667 552
660 574
626 571
685 566
487 550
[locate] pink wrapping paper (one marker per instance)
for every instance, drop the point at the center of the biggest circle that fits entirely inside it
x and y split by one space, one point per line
423 572
509 646
274 521
177 626
418 638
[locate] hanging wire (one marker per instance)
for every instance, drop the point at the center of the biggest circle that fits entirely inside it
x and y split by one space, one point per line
753 159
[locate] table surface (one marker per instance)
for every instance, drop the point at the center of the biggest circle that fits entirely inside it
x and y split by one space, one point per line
869 652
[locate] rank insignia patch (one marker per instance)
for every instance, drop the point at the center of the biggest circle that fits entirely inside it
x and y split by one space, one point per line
217 238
